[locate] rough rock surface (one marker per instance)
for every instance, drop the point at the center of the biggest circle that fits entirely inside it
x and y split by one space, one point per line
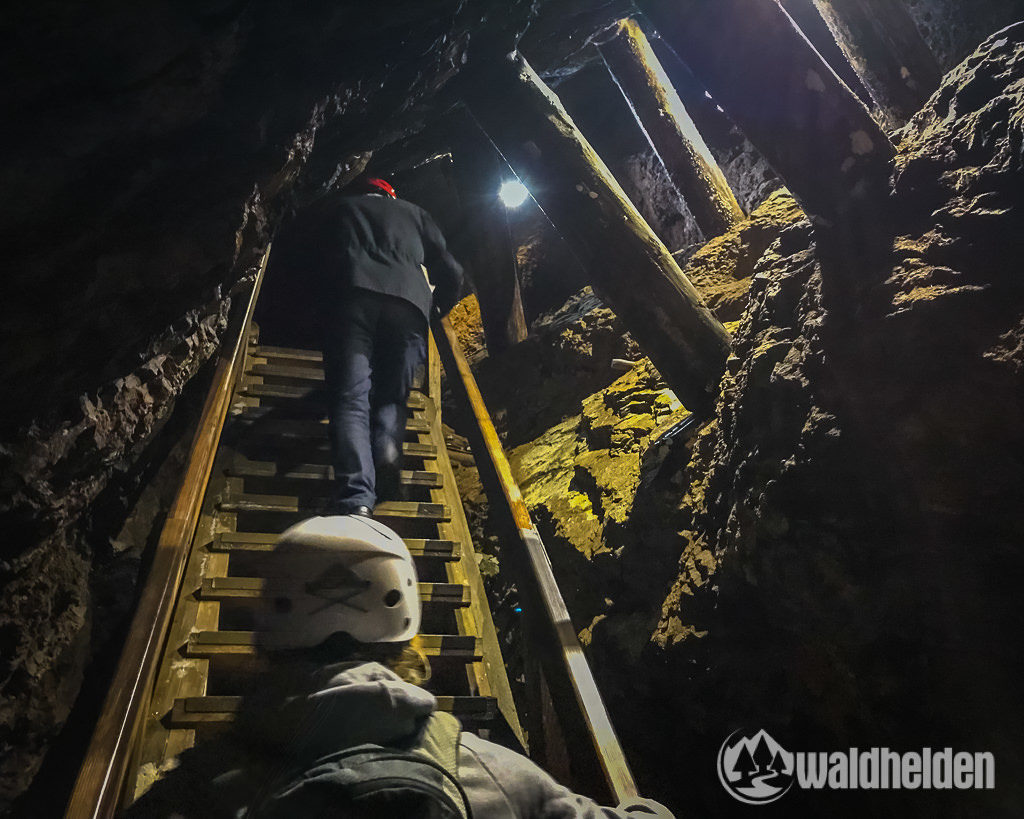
852 520
580 477
847 530
952 29
542 380
646 182
721 269
52 477
166 141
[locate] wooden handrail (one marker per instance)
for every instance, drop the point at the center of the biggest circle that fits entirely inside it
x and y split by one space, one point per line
591 737
101 779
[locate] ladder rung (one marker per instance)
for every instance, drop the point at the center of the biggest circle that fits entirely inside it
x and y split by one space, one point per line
250 588
264 442
264 542
466 648
308 392
189 712
291 353
284 371
260 420
242 467
410 509
290 505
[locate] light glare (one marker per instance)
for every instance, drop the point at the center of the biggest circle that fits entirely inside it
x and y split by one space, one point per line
513 193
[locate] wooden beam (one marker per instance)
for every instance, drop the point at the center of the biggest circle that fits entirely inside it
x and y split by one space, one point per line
809 20
595 743
669 129
628 264
810 126
882 43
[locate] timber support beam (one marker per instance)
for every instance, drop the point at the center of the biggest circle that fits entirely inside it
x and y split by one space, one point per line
884 46
818 136
669 129
626 261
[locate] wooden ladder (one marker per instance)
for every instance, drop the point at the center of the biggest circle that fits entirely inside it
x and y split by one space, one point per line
272 470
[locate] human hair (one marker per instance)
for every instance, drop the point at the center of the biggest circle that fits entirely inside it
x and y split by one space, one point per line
407 661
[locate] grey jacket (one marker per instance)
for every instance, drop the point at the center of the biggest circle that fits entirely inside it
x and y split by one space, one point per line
362 703
352 704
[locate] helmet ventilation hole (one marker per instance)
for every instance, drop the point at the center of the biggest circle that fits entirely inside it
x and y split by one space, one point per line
392 598
408 582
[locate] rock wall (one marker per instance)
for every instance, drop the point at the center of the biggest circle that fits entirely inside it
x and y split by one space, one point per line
847 530
954 29
853 533
162 142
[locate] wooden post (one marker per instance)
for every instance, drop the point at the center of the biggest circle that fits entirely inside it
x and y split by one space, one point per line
670 130
814 131
888 52
627 262
597 755
487 247
809 20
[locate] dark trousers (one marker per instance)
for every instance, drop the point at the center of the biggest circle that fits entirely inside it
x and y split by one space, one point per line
374 345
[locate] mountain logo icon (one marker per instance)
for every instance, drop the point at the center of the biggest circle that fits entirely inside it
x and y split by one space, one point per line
754 768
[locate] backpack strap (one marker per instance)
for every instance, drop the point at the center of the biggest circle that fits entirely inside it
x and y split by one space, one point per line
440 745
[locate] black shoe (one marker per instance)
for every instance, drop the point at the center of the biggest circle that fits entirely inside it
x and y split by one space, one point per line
362 511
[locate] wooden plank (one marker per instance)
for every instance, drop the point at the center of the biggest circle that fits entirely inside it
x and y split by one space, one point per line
465 648
242 467
595 743
304 447
884 46
315 374
286 504
309 392
435 549
259 420
195 712
670 130
291 353
250 588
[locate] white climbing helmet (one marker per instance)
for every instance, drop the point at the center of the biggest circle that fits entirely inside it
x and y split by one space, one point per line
332 574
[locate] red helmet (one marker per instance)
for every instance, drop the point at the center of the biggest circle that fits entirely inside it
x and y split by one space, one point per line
374 182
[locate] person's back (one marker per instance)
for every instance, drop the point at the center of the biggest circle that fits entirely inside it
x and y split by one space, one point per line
342 695
379 261
383 244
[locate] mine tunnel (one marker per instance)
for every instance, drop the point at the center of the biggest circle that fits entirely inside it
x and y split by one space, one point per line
712 478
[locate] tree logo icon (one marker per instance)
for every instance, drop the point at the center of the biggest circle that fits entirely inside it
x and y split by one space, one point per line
755 768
